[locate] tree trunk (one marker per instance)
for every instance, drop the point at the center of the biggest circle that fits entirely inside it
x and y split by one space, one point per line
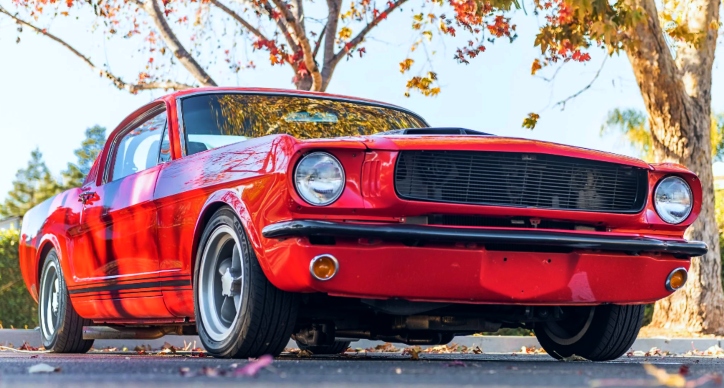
677 95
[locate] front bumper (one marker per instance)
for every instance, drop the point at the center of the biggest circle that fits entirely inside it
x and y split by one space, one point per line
378 262
529 238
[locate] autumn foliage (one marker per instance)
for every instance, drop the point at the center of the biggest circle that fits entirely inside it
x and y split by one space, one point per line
196 35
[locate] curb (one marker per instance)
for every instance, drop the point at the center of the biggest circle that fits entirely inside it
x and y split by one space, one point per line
489 344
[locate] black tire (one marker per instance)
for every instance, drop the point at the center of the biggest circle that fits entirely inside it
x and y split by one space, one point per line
338 347
265 316
600 333
61 328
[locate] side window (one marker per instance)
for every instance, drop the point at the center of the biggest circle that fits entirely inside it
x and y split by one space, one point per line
138 149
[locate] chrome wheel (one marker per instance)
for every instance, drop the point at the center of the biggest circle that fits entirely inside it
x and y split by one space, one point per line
220 283
571 329
50 300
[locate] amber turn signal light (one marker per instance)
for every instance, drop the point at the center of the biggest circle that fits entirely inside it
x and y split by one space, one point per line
323 267
676 279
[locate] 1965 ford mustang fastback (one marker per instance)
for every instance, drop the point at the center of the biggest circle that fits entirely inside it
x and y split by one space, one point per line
208 213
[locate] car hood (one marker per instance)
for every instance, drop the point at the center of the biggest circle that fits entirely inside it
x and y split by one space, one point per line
493 144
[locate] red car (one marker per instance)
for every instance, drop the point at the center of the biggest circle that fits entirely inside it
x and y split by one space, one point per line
207 213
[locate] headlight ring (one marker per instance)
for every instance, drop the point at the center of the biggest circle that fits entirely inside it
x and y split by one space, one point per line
673 199
319 178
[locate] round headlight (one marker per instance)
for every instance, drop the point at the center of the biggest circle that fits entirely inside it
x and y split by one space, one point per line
319 178
673 200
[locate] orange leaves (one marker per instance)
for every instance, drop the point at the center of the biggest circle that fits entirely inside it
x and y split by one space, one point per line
530 121
345 33
406 64
535 67
500 26
423 85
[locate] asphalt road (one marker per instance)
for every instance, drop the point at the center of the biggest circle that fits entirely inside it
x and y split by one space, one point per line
397 370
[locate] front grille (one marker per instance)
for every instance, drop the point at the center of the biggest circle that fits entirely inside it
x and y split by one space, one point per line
521 180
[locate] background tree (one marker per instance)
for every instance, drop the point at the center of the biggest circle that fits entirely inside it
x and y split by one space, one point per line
17 307
92 145
32 185
633 125
182 39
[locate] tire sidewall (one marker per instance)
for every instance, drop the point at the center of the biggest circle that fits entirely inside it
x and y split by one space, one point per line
50 261
230 345
588 344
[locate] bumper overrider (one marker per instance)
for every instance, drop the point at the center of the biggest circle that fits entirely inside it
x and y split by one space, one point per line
419 263
631 245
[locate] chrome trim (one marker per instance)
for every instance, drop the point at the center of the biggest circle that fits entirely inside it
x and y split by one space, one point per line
315 258
181 128
341 167
143 117
293 94
691 196
668 279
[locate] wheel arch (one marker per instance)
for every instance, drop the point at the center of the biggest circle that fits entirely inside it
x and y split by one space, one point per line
47 243
226 198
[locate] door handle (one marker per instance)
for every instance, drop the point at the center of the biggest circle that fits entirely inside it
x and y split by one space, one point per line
87 196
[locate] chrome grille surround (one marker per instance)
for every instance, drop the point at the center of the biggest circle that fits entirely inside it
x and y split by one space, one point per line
520 180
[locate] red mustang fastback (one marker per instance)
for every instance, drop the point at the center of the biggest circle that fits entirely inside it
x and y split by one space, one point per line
208 213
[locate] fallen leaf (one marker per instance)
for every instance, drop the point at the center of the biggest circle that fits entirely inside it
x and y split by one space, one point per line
304 353
43 368
252 368
414 352
26 346
574 358
456 363
185 371
684 370
664 378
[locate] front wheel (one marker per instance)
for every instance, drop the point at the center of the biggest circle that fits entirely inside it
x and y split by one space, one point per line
599 333
239 313
61 328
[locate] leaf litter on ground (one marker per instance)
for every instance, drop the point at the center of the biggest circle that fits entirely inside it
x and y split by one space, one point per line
661 378
250 369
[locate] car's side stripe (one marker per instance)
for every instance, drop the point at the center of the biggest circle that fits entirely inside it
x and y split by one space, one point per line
133 286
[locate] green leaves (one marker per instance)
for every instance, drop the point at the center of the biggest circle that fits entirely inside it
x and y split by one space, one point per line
17 307
32 185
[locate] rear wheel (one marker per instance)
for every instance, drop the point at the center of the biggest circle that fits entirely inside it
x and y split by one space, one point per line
238 312
336 348
599 333
61 328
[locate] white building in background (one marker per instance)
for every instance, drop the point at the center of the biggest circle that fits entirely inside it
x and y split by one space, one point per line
10 223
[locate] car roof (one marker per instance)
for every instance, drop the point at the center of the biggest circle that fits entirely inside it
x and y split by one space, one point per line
290 92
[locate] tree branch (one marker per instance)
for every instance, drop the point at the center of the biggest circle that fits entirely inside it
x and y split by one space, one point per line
239 19
361 36
117 81
335 8
267 8
319 40
563 102
172 42
301 38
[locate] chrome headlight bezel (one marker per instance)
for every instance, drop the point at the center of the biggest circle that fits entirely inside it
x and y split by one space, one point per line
303 191
661 212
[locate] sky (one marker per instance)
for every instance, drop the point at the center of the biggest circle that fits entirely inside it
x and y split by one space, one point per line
48 97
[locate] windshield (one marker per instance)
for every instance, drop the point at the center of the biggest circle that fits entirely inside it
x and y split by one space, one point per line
215 120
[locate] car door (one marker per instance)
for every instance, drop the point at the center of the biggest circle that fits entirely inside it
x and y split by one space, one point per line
115 252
